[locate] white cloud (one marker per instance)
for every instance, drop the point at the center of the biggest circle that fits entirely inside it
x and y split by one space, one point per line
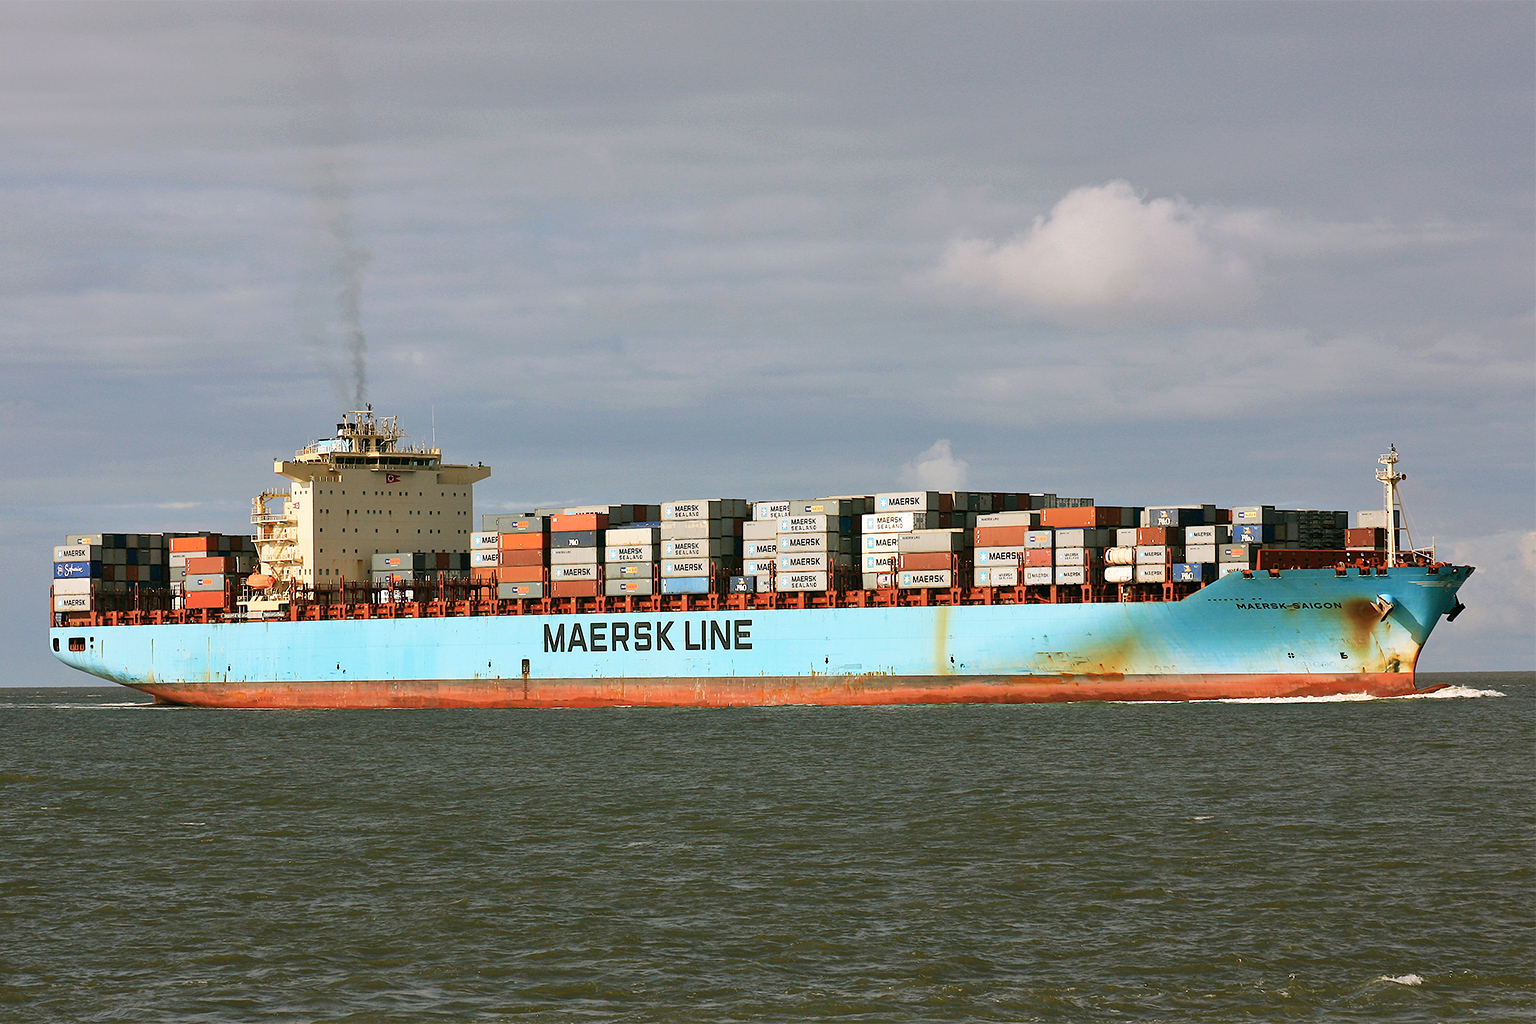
1106 255
936 469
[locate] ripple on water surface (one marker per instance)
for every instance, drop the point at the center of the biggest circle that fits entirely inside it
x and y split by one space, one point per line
1319 860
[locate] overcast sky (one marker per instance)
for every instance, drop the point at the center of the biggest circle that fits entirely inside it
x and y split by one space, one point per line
1151 253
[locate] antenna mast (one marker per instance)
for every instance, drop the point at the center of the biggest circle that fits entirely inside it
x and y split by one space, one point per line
1389 477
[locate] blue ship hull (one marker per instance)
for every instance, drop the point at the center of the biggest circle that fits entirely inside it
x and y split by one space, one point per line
1298 632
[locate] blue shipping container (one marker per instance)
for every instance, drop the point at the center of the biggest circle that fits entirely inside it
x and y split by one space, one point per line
1252 533
1192 572
1175 517
76 570
685 584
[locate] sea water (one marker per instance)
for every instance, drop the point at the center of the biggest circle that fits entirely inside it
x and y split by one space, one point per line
1317 860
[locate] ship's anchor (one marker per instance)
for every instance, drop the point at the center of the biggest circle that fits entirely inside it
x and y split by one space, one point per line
1456 610
1383 605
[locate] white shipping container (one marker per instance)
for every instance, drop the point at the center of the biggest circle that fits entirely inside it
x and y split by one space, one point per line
880 562
1228 567
1067 575
879 580
1039 575
1200 552
1071 556
82 585
876 542
759 566
1207 535
629 570
630 553
480 559
1375 518
771 511
895 522
762 529
483 540
685 567
77 553
759 548
629 588
627 536
908 501
1119 573
800 581
997 576
693 509
689 530
808 524
933 540
1029 519
790 542
693 547
999 556
575 556
1040 539
1125 537
1147 572
805 561
925 579
1081 538
581 571
72 602
1121 555
1156 554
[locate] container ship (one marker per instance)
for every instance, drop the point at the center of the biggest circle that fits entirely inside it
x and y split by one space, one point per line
367 585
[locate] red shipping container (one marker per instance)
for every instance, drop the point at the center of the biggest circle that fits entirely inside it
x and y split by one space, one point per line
1039 556
196 566
520 574
205 599
483 574
1374 537
577 588
194 544
578 521
535 557
520 541
1001 536
1157 535
1084 517
921 561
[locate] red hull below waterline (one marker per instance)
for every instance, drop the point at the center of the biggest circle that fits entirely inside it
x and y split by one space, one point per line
768 691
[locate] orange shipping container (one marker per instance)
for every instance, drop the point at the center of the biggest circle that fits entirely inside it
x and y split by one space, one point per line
209 563
1157 535
483 574
577 588
205 599
1083 517
578 521
1001 536
192 545
520 574
1039 556
922 561
520 541
534 557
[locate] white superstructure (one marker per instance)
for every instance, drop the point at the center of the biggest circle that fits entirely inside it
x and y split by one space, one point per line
358 494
